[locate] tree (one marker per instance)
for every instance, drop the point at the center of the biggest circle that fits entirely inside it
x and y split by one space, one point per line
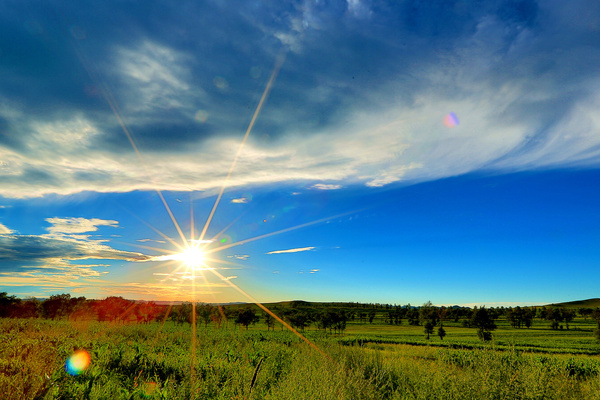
246 317
113 308
553 314
58 306
204 311
8 304
428 328
482 320
441 332
567 315
298 319
30 308
412 314
371 316
146 312
218 316
428 312
585 312
269 321
514 316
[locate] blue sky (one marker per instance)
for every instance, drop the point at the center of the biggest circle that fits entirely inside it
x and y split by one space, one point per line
396 152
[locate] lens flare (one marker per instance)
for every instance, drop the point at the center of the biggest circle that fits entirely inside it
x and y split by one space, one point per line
201 116
78 362
221 83
451 120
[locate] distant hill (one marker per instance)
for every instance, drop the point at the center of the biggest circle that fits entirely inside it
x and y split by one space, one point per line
592 303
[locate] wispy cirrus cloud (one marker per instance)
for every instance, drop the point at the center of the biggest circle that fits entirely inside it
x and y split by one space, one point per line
353 104
296 250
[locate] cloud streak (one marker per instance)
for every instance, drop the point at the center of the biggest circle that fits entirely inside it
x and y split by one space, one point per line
297 250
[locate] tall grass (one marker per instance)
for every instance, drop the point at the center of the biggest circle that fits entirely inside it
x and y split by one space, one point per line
150 362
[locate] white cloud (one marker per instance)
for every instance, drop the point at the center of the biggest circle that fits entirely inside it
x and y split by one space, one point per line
155 77
4 230
291 250
70 226
323 186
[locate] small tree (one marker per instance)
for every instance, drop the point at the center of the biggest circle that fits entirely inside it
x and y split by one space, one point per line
482 320
441 332
428 328
269 321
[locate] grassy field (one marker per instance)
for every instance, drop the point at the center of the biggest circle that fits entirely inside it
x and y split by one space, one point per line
367 362
539 338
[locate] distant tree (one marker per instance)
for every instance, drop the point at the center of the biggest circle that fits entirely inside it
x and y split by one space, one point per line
82 310
554 315
585 312
30 308
441 332
8 304
114 308
412 314
204 311
428 313
340 321
428 328
371 316
269 321
59 305
514 316
567 315
245 317
146 312
528 314
481 319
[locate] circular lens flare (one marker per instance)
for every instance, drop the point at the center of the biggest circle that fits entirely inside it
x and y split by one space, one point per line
78 362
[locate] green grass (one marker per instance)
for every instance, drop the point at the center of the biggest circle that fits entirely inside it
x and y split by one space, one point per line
538 338
154 362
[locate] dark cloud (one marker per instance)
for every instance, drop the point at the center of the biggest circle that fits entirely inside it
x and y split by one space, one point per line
26 248
155 137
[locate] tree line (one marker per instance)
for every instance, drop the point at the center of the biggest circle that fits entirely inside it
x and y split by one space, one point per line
329 317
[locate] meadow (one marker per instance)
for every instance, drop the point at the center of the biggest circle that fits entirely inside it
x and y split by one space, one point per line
367 361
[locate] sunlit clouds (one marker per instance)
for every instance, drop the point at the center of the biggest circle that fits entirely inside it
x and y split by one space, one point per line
4 230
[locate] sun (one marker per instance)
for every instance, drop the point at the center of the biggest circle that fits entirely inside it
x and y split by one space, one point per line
192 257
